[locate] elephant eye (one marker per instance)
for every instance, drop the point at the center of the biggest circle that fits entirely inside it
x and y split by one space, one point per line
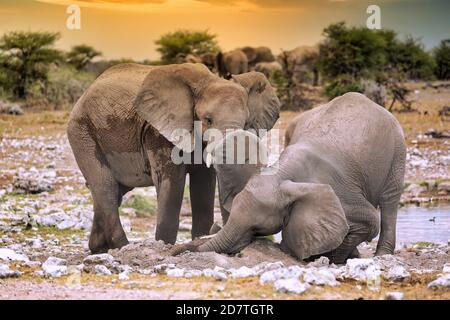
208 120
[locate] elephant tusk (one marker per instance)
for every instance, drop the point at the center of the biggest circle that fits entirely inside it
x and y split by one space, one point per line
208 160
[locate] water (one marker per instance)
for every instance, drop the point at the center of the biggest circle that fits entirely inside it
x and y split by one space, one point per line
413 224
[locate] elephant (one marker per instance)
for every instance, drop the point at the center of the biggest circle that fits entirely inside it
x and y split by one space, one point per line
300 64
188 58
342 161
231 63
267 68
121 132
258 54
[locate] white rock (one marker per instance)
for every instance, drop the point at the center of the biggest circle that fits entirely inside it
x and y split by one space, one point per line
446 268
176 272
292 272
11 255
123 276
290 286
217 273
54 271
397 273
242 272
320 277
441 282
100 269
320 262
54 261
6 272
54 267
362 269
395 295
192 273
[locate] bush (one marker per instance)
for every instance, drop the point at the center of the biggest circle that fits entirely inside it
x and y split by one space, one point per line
343 84
64 87
25 58
442 58
185 42
79 56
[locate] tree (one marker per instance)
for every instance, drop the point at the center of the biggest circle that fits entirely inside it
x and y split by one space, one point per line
81 55
185 42
25 58
442 57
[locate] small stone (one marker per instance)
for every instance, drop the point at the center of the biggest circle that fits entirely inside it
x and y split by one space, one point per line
54 261
320 262
242 272
6 272
441 282
446 268
54 267
395 295
362 269
320 277
176 273
216 273
11 255
397 274
102 270
290 286
292 272
123 276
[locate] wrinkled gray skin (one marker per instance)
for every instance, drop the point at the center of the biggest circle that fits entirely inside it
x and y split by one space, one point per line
231 63
121 129
256 55
343 160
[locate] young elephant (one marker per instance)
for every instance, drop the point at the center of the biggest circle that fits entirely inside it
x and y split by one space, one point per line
343 160
122 135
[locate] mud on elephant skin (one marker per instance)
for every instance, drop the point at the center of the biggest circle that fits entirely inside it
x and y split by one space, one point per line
343 161
122 135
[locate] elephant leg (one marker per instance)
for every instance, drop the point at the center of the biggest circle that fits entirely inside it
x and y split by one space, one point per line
202 185
386 243
364 222
170 189
107 231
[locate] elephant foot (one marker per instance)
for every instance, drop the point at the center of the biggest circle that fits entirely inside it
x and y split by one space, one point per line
98 242
382 252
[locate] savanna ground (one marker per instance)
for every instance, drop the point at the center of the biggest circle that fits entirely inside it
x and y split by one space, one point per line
38 140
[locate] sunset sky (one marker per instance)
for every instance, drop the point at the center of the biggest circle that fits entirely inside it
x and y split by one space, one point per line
122 28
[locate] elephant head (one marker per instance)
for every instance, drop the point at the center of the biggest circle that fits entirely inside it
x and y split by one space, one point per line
309 215
172 97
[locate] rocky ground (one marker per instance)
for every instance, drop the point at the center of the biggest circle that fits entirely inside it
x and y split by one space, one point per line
46 214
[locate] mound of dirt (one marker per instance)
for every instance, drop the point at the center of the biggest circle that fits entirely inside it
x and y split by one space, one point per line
150 253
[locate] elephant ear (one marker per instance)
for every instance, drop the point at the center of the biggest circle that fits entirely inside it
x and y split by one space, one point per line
263 103
166 100
316 223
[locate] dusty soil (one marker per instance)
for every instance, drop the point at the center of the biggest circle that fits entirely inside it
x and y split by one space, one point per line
38 140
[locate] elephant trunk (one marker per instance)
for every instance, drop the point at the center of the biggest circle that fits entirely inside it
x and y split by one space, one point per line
231 239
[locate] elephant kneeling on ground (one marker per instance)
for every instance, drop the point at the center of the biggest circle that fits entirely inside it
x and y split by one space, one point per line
342 161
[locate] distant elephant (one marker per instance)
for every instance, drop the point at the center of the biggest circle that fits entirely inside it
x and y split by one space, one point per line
343 160
188 58
122 135
256 55
209 60
231 63
300 65
267 68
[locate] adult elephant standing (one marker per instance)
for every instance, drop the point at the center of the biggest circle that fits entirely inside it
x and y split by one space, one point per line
122 135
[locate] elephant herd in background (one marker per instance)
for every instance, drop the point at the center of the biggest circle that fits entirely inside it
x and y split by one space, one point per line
237 61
